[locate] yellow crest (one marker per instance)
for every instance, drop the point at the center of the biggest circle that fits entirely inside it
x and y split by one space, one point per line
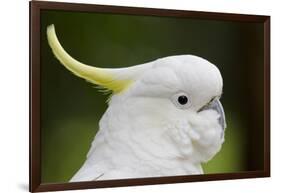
111 79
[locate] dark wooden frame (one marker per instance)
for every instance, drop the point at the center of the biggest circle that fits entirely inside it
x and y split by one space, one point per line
35 170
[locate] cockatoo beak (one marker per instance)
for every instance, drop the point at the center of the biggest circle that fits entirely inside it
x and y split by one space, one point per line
216 106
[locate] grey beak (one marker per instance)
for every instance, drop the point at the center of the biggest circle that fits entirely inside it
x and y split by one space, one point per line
217 106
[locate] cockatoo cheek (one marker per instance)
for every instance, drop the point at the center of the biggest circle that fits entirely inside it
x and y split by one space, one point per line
208 127
196 135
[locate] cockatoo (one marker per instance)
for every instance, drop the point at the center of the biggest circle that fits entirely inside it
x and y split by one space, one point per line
164 117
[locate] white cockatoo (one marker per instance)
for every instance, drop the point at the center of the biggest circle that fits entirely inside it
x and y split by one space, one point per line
163 118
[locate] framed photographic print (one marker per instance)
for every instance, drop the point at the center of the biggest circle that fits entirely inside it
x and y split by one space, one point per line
123 96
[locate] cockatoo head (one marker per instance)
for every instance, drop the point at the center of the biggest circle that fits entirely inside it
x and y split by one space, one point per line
172 102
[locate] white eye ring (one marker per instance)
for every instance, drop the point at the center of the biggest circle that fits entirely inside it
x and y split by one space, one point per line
181 100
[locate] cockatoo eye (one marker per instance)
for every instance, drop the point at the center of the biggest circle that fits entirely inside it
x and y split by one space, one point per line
181 100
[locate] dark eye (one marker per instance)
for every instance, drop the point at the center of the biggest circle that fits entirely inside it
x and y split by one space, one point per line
182 99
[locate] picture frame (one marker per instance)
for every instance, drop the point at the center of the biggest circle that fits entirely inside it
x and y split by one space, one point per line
35 176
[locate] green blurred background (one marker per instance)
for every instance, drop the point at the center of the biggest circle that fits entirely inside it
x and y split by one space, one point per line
71 107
